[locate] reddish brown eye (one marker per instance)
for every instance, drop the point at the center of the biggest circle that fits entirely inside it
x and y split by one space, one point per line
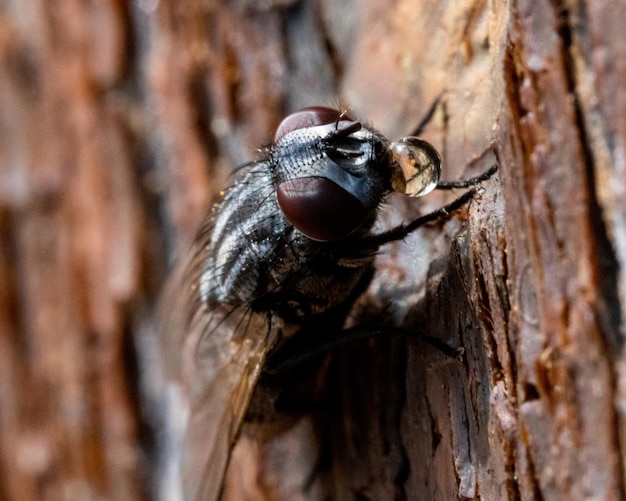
320 208
308 117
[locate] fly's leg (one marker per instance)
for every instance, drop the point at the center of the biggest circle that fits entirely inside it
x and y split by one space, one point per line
466 183
401 231
301 350
427 118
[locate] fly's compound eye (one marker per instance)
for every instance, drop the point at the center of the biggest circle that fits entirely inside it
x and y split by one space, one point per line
415 166
316 206
308 117
321 209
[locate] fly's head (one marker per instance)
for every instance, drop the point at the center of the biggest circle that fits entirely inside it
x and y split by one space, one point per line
331 172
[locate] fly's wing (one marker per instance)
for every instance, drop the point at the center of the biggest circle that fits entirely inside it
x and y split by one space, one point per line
211 336
222 360
218 354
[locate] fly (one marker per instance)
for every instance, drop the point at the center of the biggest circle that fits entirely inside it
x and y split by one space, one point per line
289 247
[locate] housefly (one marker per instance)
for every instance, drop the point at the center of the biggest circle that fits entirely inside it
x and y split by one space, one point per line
288 248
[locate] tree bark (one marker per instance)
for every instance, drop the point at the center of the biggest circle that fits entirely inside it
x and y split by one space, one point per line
120 122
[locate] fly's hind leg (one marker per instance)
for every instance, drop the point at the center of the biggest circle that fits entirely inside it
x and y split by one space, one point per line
300 351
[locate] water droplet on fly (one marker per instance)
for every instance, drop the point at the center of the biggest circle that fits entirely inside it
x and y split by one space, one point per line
415 166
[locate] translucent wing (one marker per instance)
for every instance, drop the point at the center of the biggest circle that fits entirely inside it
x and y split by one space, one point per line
222 360
218 354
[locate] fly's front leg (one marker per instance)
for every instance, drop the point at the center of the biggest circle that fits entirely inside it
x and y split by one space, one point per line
401 231
427 118
466 183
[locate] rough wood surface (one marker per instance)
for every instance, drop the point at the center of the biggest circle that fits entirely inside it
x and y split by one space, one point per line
119 121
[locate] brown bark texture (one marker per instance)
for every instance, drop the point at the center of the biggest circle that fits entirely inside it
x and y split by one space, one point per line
119 123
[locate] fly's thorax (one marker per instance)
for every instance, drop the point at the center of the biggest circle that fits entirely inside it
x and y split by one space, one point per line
275 232
247 235
255 258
